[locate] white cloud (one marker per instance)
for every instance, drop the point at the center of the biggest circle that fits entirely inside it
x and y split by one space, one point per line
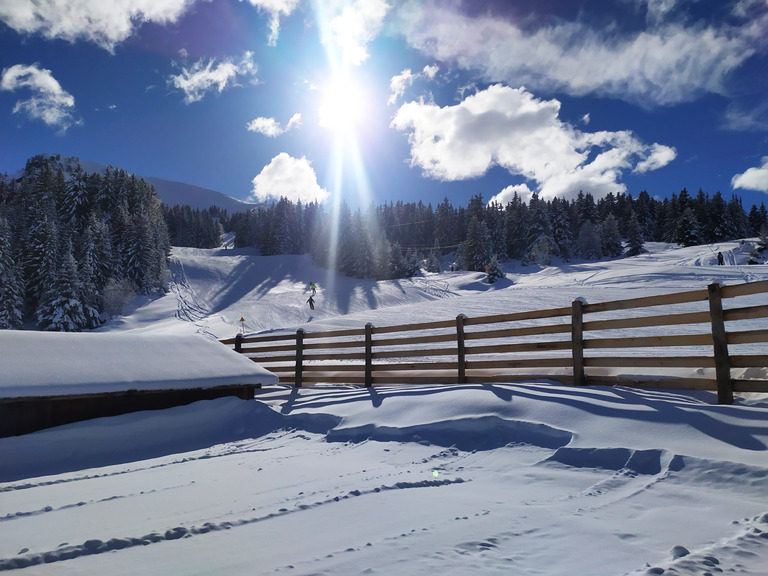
202 77
271 127
399 84
753 178
510 128
658 157
740 118
275 8
103 22
506 195
586 119
431 71
49 101
288 177
664 64
658 9
349 25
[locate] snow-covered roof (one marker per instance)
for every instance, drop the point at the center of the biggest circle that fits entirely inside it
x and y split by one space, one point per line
56 363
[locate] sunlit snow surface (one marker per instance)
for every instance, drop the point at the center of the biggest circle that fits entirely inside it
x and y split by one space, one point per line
524 479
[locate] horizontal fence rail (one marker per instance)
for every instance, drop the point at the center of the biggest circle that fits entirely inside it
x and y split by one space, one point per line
693 343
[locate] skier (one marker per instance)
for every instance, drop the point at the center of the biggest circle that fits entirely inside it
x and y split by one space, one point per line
720 261
311 303
313 288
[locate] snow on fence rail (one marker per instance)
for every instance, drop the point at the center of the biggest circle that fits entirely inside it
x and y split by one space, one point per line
602 343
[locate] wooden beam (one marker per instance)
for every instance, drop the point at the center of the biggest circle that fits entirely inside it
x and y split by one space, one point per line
720 346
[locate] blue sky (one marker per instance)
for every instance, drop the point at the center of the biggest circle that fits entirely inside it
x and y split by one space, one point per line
386 100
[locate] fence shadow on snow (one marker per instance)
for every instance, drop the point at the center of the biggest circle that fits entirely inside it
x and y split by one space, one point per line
694 342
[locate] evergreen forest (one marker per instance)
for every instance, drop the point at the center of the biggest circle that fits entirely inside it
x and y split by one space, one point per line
76 247
397 240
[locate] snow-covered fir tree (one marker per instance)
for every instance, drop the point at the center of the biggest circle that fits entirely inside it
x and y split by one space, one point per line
687 231
475 252
610 237
61 308
589 244
11 289
495 271
561 228
72 234
634 236
541 245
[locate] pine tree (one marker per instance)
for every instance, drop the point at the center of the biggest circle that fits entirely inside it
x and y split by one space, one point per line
611 239
687 232
718 224
541 245
738 217
516 227
397 263
475 252
61 309
634 236
11 290
433 261
561 228
589 245
40 264
494 270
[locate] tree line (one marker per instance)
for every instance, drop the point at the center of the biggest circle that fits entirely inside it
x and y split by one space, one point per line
398 239
74 246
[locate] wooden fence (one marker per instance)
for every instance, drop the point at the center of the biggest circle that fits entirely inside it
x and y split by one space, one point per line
577 345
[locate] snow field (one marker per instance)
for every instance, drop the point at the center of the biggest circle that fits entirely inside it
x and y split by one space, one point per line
527 479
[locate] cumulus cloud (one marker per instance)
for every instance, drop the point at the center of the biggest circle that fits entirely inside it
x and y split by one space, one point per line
753 178
105 23
275 9
401 82
49 102
288 177
506 195
271 127
510 128
658 157
667 62
347 26
431 71
203 77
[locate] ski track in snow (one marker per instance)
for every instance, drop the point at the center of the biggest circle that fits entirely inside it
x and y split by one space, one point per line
376 482
607 482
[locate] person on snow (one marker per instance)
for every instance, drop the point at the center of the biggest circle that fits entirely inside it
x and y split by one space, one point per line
311 303
313 288
720 261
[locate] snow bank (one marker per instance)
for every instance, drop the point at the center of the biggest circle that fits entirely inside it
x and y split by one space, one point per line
56 363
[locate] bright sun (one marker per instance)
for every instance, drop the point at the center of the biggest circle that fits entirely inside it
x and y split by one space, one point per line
343 104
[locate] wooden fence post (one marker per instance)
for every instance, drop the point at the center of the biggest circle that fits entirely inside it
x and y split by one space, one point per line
239 342
369 354
299 357
720 344
460 350
577 342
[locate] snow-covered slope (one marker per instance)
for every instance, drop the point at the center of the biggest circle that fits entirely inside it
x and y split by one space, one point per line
529 478
213 289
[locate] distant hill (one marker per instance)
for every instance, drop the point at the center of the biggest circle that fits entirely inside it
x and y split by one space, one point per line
173 193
